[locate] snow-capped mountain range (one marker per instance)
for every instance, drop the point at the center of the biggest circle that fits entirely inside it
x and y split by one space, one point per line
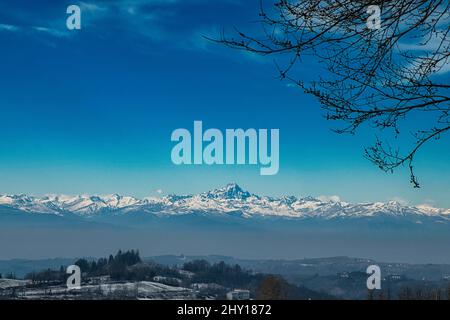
227 200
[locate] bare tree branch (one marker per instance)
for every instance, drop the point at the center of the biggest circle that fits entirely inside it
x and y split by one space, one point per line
375 77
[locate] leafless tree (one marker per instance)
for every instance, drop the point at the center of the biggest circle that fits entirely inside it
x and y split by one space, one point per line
374 77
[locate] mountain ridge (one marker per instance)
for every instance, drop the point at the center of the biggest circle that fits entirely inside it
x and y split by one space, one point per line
222 201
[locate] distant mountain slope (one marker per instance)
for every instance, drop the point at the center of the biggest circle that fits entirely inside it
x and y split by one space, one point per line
226 221
230 200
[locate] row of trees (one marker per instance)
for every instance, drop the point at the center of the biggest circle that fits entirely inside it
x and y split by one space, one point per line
48 276
116 266
10 275
264 287
274 287
220 273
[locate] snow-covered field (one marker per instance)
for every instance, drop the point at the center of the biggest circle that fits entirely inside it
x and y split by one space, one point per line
126 290
12 283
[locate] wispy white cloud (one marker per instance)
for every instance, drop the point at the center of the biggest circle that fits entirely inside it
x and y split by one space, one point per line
161 21
51 31
443 67
426 50
332 198
426 44
8 27
34 29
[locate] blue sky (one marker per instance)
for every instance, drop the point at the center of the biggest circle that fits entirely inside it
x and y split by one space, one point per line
91 111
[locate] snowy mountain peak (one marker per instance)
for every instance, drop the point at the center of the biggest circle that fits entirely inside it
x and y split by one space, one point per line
310 199
230 199
230 191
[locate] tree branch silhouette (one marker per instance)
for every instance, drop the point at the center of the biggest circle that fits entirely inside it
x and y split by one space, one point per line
374 77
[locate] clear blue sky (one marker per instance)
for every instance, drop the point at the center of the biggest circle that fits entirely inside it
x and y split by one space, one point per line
92 111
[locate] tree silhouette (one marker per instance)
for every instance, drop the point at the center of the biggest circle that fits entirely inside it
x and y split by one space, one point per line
448 292
272 288
375 77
